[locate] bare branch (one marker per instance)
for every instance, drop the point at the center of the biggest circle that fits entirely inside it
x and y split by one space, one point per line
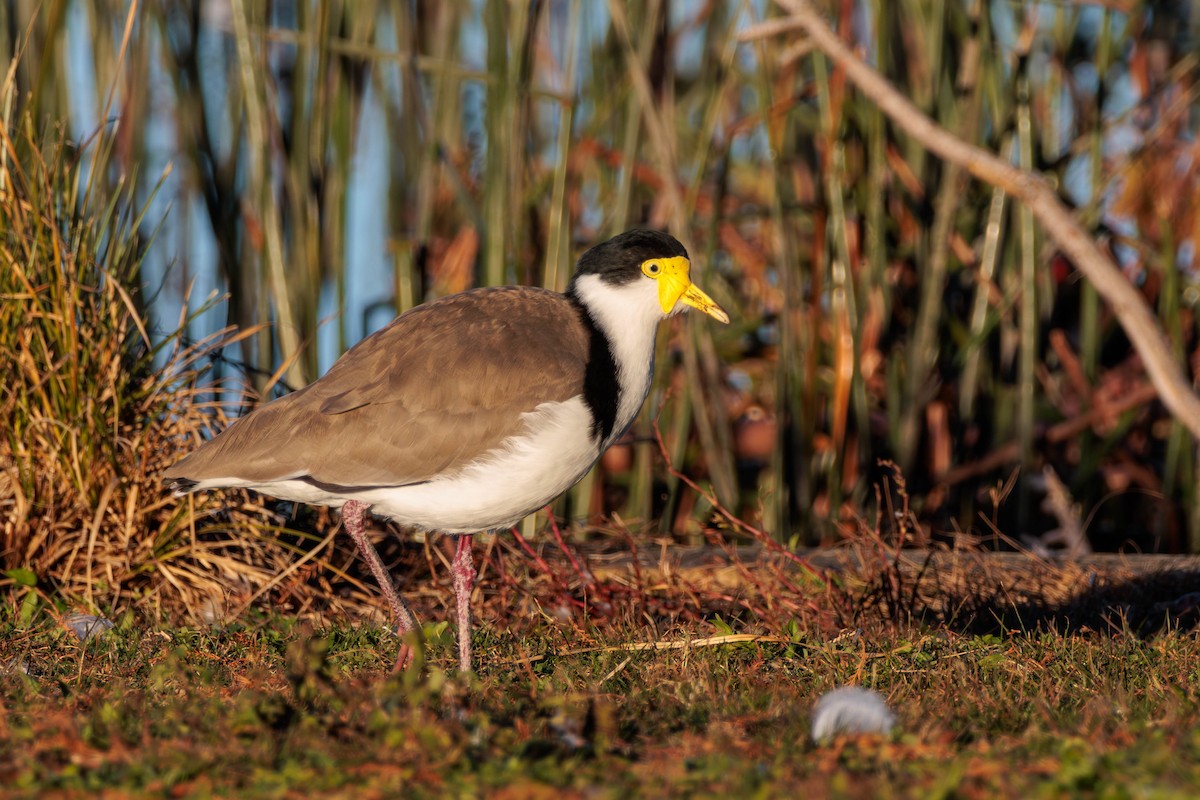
1059 223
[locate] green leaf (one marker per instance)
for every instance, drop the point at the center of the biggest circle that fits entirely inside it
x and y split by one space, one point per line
28 609
437 633
23 576
993 661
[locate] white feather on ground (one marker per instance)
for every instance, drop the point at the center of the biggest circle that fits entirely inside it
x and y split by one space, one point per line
85 626
851 710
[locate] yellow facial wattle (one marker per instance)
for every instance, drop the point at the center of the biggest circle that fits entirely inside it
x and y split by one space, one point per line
675 284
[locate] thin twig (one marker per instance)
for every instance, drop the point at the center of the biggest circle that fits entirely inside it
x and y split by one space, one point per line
584 575
757 533
545 568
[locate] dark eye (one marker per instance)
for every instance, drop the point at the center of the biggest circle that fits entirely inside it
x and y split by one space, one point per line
653 268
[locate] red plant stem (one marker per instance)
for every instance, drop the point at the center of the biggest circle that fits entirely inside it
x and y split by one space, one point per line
758 534
562 545
541 563
545 568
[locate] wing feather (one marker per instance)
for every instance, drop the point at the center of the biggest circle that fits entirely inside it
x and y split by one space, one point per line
440 385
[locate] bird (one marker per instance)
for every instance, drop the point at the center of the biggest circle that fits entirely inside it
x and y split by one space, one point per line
467 413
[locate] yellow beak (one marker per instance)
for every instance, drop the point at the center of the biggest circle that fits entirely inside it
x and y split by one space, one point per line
675 285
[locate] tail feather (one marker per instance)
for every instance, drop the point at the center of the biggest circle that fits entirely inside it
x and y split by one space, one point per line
181 486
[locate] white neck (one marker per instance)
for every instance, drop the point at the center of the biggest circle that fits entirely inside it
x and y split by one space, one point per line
628 315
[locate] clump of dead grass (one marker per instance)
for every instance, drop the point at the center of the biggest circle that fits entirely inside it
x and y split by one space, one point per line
94 409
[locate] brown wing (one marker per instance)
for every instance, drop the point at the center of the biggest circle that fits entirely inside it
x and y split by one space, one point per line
440 385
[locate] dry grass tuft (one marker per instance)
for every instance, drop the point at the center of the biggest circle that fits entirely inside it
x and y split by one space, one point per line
94 409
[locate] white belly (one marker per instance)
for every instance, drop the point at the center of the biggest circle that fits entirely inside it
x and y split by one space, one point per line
497 491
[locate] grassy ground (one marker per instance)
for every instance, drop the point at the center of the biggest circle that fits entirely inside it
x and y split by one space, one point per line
272 707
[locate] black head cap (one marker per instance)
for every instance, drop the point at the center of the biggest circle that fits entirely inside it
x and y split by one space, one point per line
619 260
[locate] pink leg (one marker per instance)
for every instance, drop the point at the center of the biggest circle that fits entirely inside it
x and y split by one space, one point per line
354 520
464 581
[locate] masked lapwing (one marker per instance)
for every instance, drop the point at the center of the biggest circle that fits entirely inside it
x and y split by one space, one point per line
467 413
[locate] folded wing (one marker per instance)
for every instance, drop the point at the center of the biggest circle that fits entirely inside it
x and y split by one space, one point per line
440 386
